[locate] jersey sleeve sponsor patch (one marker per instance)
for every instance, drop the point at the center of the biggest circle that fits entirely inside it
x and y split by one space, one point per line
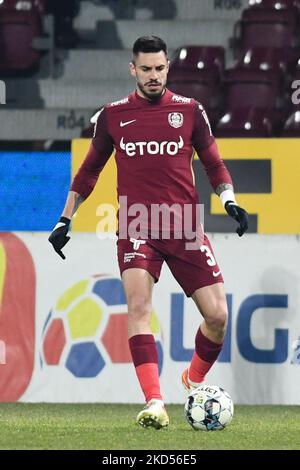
181 99
117 103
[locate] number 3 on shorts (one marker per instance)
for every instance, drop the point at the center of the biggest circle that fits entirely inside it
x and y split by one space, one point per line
211 260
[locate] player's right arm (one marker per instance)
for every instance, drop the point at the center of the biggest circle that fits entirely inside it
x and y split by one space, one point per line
84 182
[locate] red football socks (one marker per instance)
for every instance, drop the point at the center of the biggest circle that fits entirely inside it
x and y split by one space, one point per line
145 359
206 353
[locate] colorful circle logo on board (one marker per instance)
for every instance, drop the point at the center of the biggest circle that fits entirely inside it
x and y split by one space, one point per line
87 329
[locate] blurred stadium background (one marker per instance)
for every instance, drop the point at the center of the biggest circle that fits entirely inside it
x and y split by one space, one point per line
63 324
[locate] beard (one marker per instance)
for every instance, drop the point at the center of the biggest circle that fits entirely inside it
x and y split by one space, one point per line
151 95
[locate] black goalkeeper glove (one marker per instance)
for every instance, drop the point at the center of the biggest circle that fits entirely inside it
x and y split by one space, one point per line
238 214
58 237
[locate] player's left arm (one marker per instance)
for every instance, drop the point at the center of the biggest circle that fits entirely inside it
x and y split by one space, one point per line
217 171
218 175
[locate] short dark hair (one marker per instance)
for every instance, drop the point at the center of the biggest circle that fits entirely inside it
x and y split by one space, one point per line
149 44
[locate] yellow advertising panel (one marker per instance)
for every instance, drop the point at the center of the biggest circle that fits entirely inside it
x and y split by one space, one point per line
277 211
105 191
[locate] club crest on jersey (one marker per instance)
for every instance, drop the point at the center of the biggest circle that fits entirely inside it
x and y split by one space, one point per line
175 119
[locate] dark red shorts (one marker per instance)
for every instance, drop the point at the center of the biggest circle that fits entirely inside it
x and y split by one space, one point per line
191 268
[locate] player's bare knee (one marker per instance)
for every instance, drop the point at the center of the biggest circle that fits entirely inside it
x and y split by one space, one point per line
218 320
221 321
139 308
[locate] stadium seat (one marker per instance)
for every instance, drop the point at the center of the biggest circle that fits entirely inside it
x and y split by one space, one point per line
245 122
271 15
196 71
264 58
275 4
20 23
11 5
292 125
207 59
252 88
201 85
265 28
274 60
202 89
28 5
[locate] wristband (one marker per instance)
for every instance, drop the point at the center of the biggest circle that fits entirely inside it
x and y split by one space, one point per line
226 196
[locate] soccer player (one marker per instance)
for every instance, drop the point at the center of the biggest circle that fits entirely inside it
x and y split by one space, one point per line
154 133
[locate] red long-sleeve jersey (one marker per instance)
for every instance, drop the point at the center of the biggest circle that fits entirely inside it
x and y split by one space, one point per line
154 143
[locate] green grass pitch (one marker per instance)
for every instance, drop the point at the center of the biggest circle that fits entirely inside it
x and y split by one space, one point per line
110 427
